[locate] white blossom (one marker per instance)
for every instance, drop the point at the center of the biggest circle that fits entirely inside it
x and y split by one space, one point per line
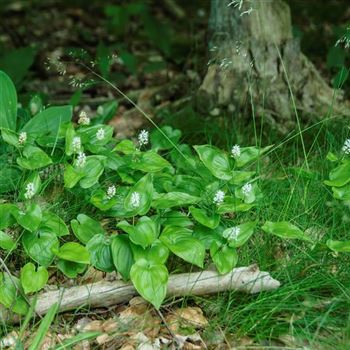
219 197
83 118
232 233
246 189
22 137
76 144
100 134
81 160
236 151
135 199
111 192
346 147
143 137
30 191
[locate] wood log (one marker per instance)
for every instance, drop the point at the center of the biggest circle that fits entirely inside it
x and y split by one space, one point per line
103 294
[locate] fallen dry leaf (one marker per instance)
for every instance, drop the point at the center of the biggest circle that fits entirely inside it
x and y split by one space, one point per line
192 315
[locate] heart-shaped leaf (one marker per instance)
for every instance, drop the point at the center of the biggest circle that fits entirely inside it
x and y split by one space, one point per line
33 280
122 255
150 280
215 160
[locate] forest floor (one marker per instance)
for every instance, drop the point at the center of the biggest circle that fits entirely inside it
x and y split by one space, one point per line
311 309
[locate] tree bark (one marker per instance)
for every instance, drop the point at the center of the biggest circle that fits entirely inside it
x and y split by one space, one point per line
256 64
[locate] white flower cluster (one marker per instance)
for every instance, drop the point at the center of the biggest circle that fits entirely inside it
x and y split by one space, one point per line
135 199
232 234
111 190
143 137
22 138
219 197
81 160
30 191
346 147
83 118
76 144
236 151
246 189
100 134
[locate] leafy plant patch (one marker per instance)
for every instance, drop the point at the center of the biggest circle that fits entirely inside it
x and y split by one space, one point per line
163 200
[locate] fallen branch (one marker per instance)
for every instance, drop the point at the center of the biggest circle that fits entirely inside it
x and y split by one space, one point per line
103 294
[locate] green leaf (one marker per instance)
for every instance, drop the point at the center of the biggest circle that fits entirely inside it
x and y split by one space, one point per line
339 246
250 154
70 269
241 177
284 229
233 205
122 255
173 199
339 176
125 147
6 241
149 162
99 248
144 188
105 112
39 246
44 328
160 142
72 176
16 63
158 253
250 196
74 252
150 280
10 137
215 160
207 236
224 257
89 135
52 222
342 193
93 169
33 280
180 241
84 228
29 219
45 125
101 201
245 231
144 233
33 158
10 295
8 102
201 216
6 215
175 218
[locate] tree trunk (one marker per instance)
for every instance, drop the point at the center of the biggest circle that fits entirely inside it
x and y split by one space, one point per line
256 64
